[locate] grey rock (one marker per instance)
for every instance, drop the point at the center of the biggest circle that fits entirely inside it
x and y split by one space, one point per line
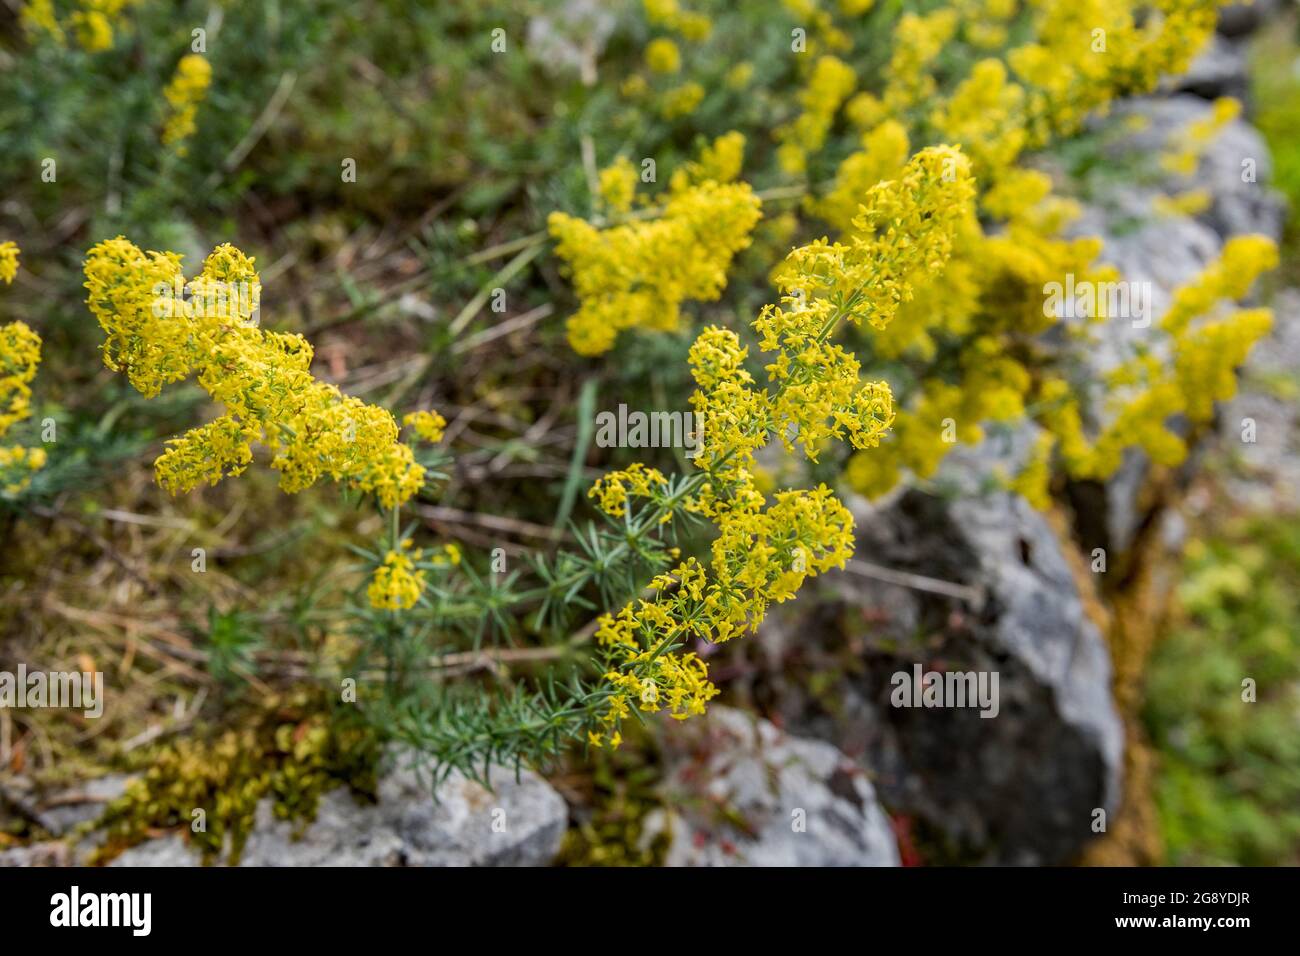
1220 70
517 823
1239 19
1040 618
164 851
1162 253
803 802
1018 787
49 853
1267 472
66 810
1239 206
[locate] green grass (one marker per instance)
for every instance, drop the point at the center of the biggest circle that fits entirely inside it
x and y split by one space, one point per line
1229 784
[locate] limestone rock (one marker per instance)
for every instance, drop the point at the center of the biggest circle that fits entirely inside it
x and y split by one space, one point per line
1019 786
519 823
743 792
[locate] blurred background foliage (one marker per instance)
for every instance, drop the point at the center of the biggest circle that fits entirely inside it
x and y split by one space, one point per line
1229 784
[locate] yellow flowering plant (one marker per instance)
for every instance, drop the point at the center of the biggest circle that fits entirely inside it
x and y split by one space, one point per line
161 328
186 90
764 552
637 273
93 23
1027 75
765 545
942 237
20 354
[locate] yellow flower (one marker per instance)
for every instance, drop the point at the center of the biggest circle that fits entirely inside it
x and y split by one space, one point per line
396 584
984 116
637 274
740 76
1146 393
884 151
1242 260
20 354
93 23
426 424
829 84
38 17
93 29
681 100
662 12
186 90
1192 202
765 550
917 41
160 329
1034 479
1189 145
719 162
8 262
615 488
618 183
662 56
667 13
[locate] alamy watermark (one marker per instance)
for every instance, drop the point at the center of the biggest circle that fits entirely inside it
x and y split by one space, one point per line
923 688
637 429
1086 299
75 908
73 690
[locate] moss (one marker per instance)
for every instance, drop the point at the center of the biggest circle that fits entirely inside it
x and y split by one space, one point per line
608 828
290 748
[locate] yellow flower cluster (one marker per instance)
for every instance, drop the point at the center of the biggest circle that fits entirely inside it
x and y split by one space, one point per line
92 22
1191 202
1075 58
829 85
638 273
689 24
719 162
814 17
868 277
397 583
428 426
917 41
614 489
184 92
161 329
884 151
1033 482
983 115
766 549
1085 52
985 23
1189 145
681 100
1202 370
20 354
662 56
8 262
617 185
